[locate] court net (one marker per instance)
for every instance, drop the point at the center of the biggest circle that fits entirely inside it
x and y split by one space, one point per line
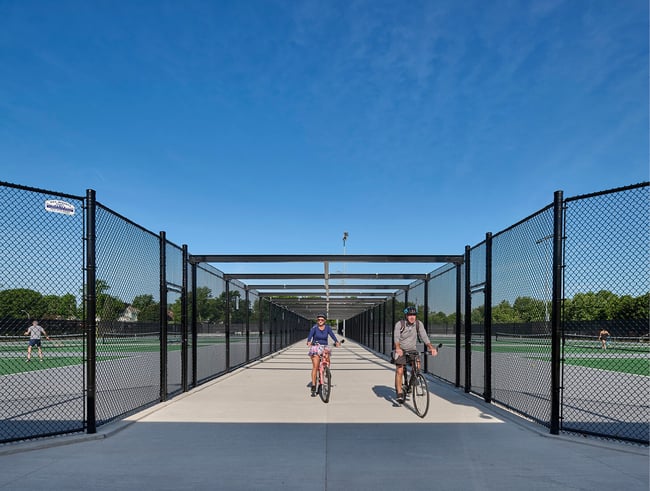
12 343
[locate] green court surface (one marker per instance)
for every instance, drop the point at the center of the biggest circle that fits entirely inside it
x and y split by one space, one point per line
10 366
628 358
636 366
62 351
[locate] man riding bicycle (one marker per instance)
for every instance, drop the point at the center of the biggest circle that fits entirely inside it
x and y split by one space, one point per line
405 335
317 342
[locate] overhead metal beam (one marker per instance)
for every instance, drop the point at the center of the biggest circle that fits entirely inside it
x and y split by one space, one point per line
322 287
319 276
349 300
289 301
309 295
319 258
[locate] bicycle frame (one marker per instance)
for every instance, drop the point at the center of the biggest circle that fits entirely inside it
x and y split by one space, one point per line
324 362
412 360
324 375
415 384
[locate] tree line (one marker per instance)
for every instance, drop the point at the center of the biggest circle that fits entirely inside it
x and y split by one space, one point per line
22 302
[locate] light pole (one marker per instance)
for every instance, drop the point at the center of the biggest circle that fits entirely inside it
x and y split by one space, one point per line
547 269
345 238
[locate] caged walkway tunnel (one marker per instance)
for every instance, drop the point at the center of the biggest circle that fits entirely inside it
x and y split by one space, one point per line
135 319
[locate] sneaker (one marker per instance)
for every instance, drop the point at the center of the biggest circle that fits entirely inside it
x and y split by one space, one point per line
400 398
313 391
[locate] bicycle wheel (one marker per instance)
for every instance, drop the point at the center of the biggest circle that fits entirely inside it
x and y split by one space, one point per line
420 394
326 385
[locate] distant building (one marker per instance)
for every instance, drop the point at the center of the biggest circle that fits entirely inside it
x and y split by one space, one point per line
130 314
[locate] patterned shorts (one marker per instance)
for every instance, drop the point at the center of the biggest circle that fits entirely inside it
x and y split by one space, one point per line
317 349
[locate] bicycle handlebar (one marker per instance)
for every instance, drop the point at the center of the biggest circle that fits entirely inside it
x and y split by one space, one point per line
316 343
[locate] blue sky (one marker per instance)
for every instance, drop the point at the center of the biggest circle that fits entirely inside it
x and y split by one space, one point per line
271 127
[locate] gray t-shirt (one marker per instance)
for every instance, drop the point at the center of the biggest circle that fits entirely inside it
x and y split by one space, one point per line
408 336
35 331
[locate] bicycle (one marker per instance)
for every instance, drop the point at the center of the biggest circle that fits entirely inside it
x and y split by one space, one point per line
324 375
416 384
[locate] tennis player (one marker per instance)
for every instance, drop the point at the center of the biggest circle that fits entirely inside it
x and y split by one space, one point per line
35 332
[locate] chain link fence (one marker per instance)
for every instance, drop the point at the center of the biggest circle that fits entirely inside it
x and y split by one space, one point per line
442 303
122 345
576 276
41 284
156 325
606 346
128 347
521 320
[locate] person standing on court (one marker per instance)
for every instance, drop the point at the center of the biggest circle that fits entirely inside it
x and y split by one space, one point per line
317 342
603 337
35 332
405 337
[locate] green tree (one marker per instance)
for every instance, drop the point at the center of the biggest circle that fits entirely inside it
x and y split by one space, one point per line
238 308
504 313
109 308
438 318
148 309
643 307
529 309
478 315
582 307
55 307
18 302
206 307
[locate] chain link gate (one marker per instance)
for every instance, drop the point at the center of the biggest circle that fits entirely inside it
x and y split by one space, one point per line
41 281
606 381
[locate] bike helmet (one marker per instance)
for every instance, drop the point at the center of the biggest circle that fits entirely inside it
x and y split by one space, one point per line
410 311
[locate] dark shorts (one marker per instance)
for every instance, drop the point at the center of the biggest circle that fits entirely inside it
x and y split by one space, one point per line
35 342
399 361
402 360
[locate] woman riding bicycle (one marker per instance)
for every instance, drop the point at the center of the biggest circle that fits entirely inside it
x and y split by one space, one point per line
317 342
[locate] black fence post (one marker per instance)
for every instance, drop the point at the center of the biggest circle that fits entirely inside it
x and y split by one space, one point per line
91 314
271 331
248 329
426 321
487 320
260 325
468 322
393 321
227 325
195 336
556 311
163 316
184 340
459 316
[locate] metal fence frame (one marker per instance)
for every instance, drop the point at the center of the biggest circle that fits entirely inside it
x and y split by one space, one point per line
539 392
105 385
183 361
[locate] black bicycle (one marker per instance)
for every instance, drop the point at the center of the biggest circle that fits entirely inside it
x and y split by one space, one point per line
415 383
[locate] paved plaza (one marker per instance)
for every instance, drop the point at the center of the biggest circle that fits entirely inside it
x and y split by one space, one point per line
258 428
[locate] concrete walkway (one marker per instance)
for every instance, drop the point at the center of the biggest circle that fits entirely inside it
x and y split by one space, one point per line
258 428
